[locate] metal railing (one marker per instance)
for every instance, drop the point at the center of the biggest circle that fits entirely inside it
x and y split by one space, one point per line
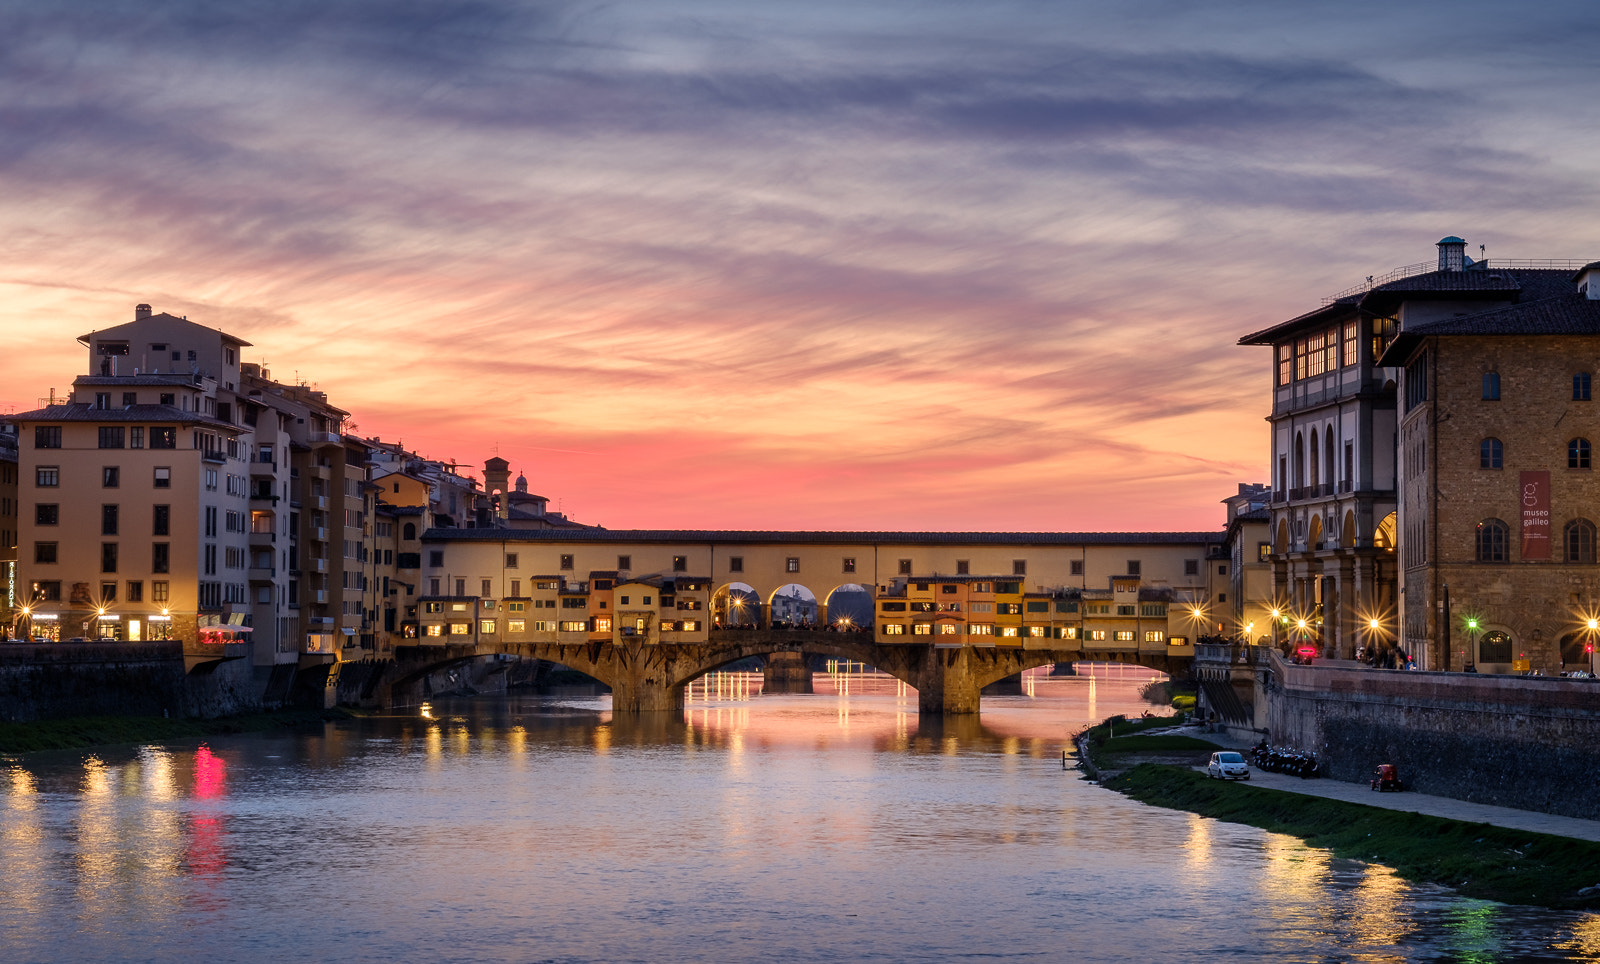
1427 267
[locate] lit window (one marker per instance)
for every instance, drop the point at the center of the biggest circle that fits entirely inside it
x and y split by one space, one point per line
1097 634
486 626
1153 635
893 629
948 629
922 629
1124 635
1008 631
791 564
516 625
460 629
435 630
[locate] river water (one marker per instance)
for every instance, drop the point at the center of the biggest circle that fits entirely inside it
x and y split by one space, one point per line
828 827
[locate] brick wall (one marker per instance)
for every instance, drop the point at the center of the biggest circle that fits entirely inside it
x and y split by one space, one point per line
1536 602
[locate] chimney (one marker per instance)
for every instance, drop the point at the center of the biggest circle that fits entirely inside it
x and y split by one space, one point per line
141 312
1452 254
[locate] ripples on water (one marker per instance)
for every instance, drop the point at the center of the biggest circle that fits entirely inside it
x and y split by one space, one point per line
782 828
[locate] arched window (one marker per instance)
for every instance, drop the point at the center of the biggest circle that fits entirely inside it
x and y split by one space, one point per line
410 531
1491 386
1490 454
1578 453
1495 647
1313 453
1578 537
1491 541
1299 460
1327 458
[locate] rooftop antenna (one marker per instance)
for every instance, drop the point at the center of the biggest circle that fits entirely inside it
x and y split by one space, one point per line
1482 254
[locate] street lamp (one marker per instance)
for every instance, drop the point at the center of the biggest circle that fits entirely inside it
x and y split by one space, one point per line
1588 649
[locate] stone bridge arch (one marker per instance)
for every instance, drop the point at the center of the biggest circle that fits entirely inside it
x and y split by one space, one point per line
650 678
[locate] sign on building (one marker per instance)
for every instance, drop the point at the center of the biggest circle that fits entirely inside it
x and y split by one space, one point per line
1535 498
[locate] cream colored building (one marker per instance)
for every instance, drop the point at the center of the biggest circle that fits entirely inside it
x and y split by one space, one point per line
581 575
134 492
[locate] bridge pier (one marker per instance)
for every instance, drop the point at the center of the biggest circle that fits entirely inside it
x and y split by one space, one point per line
786 673
946 682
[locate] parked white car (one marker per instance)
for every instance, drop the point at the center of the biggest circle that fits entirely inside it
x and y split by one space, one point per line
1228 765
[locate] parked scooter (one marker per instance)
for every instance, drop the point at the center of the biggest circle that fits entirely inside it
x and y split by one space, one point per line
1304 765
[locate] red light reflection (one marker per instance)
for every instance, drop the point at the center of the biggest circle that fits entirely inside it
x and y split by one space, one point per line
206 855
210 775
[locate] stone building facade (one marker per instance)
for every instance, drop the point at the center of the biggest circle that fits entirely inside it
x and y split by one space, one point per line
1361 487
1499 500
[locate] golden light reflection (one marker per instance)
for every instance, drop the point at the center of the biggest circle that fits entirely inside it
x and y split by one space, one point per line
1584 944
24 790
1293 870
1198 847
24 880
517 743
602 740
96 827
433 746
1380 895
158 781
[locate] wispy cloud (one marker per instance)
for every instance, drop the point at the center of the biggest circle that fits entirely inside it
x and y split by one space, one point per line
696 263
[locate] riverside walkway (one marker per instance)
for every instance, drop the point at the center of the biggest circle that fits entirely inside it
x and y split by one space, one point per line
1447 807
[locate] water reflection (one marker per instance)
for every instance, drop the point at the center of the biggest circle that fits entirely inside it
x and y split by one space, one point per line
801 828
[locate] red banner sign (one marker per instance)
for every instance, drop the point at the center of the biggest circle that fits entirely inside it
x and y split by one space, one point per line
1535 498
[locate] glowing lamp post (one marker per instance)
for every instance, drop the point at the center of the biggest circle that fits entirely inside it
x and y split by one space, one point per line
1588 649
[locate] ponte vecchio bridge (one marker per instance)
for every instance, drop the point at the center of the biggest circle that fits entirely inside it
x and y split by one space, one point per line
648 611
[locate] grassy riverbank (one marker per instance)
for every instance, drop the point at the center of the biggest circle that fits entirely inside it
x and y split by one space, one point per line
1475 859
82 732
1120 743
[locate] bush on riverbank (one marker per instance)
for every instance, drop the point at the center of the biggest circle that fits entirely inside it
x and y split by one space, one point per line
1478 860
1166 692
81 732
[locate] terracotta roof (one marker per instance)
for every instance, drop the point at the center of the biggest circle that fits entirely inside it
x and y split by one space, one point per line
757 536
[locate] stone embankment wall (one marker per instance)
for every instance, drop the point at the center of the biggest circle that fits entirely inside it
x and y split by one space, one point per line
55 680
1512 741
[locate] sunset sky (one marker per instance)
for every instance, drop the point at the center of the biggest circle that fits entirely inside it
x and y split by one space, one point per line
883 265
